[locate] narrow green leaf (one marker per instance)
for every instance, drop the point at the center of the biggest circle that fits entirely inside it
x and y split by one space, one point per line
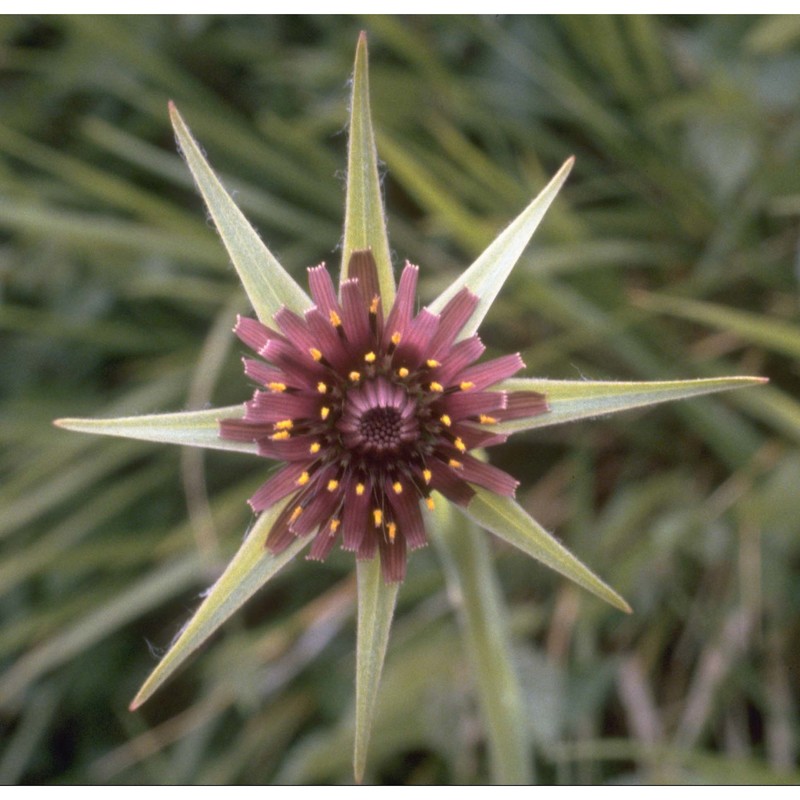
365 222
266 282
486 276
376 602
191 428
474 591
775 334
504 517
573 400
251 567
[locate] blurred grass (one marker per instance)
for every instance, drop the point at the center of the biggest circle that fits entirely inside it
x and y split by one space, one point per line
672 252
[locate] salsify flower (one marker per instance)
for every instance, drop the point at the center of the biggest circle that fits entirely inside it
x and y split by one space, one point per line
372 411
372 415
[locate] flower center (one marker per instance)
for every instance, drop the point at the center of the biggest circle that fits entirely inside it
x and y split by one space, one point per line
378 419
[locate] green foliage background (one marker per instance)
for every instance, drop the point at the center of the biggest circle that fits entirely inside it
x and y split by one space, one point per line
672 252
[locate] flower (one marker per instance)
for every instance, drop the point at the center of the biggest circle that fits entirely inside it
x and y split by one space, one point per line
372 415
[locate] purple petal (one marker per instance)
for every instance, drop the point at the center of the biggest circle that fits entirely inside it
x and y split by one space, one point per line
457 359
522 404
472 404
362 268
323 544
393 559
263 373
404 303
355 518
296 330
493 371
408 516
322 291
282 483
278 406
253 333
445 480
491 478
415 344
355 317
453 317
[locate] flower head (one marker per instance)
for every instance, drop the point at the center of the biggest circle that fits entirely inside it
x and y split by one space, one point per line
371 415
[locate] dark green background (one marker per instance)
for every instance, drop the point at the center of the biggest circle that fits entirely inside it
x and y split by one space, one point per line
117 298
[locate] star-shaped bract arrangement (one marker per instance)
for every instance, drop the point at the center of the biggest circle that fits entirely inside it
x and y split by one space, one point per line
373 410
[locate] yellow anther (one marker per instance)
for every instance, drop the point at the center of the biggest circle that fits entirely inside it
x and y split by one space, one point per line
298 510
324 411
322 388
276 387
485 419
402 372
465 385
398 487
315 354
280 436
333 485
436 386
445 420
427 475
429 502
396 337
354 376
391 529
360 489
315 448
433 363
335 523
284 425
303 479
369 357
455 464
460 446
377 517
373 306
336 320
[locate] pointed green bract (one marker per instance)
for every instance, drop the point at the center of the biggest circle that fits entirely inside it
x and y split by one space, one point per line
574 400
365 221
266 282
506 518
251 567
486 276
190 428
376 602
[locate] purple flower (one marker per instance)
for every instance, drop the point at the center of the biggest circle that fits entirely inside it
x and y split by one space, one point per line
370 415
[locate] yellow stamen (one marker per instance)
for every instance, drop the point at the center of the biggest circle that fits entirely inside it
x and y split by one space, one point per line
315 354
377 517
333 485
276 387
460 446
322 388
354 376
315 448
335 523
445 420
429 502
436 386
336 320
398 487
485 419
426 473
373 306
391 529
433 363
284 425
280 436
396 337
324 411
369 357
295 514
303 479
455 464
465 385
360 489
402 372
